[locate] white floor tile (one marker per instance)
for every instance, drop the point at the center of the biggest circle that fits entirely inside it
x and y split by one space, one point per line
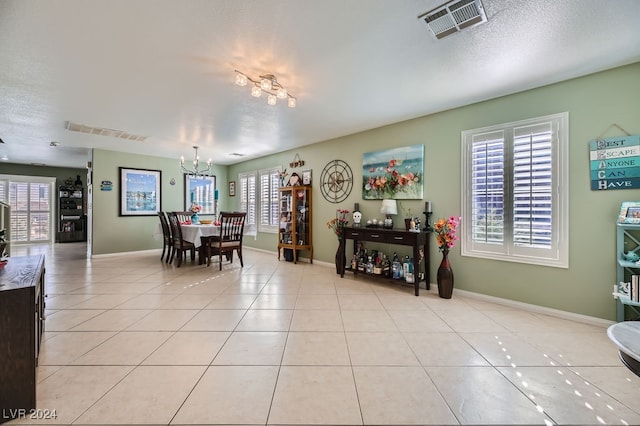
132 340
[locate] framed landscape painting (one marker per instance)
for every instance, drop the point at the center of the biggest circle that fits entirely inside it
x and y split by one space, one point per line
395 173
139 192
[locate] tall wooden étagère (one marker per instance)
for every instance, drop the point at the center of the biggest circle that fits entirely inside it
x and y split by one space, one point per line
294 224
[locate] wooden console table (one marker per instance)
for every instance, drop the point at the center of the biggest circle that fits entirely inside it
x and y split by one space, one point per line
21 327
417 240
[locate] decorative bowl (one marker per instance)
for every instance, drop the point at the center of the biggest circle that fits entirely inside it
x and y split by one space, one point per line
206 221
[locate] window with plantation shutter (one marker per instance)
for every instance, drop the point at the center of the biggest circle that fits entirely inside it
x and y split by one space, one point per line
258 192
269 182
247 194
515 191
31 201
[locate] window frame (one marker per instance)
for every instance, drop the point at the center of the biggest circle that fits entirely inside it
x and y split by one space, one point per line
557 255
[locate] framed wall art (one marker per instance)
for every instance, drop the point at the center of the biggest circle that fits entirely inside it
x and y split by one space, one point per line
232 188
139 192
629 212
306 177
395 173
201 191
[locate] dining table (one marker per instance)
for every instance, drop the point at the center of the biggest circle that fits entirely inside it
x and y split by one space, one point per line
193 233
196 233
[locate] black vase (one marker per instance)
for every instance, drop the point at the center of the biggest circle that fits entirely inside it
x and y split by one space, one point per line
445 277
341 260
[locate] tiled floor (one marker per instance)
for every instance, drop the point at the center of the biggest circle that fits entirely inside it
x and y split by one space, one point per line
130 340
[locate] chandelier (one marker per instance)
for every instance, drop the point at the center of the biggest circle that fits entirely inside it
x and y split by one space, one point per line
267 84
196 172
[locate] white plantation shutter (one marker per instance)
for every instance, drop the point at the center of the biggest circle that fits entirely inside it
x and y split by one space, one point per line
533 186
19 201
515 191
248 197
32 209
487 188
269 200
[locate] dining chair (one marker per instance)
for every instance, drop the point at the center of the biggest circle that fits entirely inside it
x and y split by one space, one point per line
230 239
184 216
180 246
167 246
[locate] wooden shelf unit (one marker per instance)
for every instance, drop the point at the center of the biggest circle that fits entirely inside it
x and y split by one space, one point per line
72 225
627 239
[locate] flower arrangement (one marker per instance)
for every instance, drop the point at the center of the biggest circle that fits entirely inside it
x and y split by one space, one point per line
391 180
336 224
445 230
195 208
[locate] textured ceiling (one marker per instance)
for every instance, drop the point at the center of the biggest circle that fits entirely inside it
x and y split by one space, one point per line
165 69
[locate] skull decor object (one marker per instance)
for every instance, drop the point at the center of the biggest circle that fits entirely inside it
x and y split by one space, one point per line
357 217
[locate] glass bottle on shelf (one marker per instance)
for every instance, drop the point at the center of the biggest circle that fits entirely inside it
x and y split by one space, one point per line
369 267
386 266
377 265
396 267
408 270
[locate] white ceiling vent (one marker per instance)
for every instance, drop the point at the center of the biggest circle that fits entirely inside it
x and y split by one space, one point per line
76 127
454 16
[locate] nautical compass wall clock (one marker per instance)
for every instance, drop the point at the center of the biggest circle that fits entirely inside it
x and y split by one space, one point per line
336 181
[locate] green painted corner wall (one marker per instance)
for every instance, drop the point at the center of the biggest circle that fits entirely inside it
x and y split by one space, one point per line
594 103
113 233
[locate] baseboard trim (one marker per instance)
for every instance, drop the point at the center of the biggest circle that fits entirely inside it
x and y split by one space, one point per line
120 253
463 293
535 308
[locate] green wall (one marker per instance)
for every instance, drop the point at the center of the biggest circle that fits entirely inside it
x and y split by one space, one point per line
60 173
113 233
594 103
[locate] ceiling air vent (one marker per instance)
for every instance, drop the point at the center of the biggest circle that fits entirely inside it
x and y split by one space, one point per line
75 127
454 16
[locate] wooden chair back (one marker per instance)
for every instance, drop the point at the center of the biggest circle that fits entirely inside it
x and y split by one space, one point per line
230 239
232 227
183 216
179 245
166 234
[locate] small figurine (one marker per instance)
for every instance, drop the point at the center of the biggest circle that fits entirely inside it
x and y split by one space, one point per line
631 256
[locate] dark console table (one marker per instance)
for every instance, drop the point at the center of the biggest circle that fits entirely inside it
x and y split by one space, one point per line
418 240
21 327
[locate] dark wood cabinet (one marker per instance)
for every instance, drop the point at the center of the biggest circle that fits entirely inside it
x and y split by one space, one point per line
21 326
72 222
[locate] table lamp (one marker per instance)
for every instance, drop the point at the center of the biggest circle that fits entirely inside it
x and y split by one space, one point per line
389 208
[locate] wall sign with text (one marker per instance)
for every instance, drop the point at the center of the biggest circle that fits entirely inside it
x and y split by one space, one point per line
615 163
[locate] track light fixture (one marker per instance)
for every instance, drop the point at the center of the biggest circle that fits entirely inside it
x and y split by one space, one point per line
267 84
